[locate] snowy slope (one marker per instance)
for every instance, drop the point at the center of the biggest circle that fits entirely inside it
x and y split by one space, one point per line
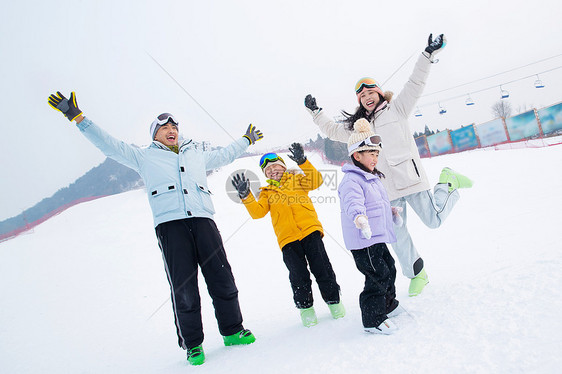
87 293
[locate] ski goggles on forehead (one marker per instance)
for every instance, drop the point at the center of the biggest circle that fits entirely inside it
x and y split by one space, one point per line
164 118
365 82
269 157
374 140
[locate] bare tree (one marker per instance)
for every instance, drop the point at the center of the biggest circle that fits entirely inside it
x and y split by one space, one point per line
501 109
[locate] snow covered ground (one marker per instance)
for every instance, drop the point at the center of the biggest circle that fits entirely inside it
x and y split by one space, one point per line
86 292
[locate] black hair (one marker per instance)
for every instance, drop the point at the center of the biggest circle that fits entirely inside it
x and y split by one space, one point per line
361 112
376 172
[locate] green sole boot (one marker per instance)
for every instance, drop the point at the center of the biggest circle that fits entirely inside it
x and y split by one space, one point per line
308 317
454 180
418 283
240 338
337 310
195 355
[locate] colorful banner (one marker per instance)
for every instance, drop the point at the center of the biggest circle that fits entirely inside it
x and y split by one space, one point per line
491 133
551 118
423 149
464 138
440 143
522 126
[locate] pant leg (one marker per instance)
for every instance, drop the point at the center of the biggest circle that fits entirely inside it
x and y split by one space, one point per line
390 297
180 261
433 208
408 256
218 275
321 267
299 276
372 300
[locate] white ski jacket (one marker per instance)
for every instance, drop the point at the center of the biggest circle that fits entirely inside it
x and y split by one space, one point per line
176 184
399 159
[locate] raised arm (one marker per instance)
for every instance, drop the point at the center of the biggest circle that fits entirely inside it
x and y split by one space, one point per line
118 150
225 156
405 101
334 131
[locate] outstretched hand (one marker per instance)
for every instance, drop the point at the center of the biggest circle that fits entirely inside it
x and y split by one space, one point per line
310 103
297 153
68 107
435 46
242 185
253 134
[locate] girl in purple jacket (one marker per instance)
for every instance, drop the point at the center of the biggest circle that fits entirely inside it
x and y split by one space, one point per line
367 223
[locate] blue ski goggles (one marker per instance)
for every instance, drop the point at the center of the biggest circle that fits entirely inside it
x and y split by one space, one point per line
269 157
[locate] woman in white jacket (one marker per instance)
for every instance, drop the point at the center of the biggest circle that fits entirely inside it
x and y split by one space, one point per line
406 180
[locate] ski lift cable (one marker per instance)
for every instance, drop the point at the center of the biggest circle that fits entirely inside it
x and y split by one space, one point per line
491 76
397 70
487 88
191 96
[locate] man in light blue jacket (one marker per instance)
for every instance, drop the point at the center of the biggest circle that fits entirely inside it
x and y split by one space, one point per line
174 173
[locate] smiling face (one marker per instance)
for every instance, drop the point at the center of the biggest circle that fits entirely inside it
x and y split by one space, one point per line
368 159
274 171
167 134
369 98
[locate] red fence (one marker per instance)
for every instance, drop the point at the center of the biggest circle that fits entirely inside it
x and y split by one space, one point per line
31 225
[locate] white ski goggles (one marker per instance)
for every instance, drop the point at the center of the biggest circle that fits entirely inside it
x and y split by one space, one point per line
374 141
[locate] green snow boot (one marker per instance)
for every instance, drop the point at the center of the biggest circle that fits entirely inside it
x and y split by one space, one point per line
240 338
337 310
308 317
195 355
454 180
418 283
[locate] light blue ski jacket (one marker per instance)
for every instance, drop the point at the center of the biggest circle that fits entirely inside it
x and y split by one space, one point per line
176 184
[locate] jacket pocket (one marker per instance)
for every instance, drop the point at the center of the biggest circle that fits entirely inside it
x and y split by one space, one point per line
205 197
376 220
164 198
404 172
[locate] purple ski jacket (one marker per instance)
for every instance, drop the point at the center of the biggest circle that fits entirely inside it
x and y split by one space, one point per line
363 193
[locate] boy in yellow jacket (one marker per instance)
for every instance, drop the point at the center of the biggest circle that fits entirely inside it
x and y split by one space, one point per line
299 232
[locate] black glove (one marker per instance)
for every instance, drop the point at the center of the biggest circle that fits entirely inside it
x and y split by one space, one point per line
310 103
297 153
241 184
252 134
67 106
436 45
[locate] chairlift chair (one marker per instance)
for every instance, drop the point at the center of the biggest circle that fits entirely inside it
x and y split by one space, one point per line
504 93
538 83
417 113
469 101
442 110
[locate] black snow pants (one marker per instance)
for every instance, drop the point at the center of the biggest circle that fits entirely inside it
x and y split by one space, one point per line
379 295
311 249
187 244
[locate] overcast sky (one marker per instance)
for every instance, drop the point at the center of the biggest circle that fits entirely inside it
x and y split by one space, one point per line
245 62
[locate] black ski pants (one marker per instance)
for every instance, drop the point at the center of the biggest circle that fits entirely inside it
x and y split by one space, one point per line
187 244
310 250
379 295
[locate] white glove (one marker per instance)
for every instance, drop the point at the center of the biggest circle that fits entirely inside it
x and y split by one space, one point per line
396 218
362 223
